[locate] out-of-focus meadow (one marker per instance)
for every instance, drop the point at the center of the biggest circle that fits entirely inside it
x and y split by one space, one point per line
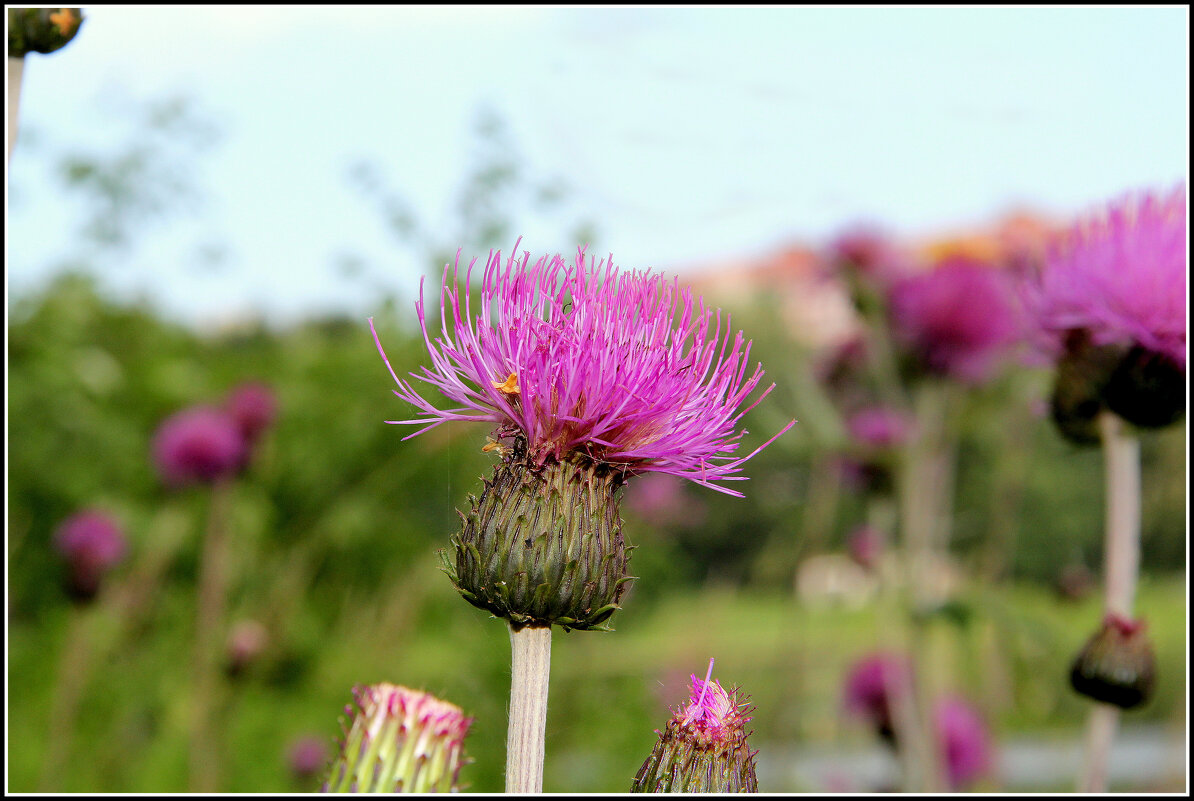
335 523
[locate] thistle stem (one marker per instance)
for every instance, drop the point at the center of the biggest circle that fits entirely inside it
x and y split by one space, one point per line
531 651
205 747
16 71
73 674
1121 566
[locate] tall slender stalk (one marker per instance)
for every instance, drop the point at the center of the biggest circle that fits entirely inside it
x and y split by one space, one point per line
530 648
1121 566
16 71
73 672
205 739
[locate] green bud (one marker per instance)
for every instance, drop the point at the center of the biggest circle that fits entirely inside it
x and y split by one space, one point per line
1116 665
41 30
543 544
399 741
703 748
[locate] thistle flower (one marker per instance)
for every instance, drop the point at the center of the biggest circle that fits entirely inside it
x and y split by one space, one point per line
92 544
957 319
873 686
963 741
399 741
590 376
703 749
1116 283
253 406
1116 666
198 445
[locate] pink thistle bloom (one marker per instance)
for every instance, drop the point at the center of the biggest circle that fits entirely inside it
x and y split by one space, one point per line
703 748
1121 276
957 318
197 445
622 367
873 685
964 741
253 407
92 544
880 427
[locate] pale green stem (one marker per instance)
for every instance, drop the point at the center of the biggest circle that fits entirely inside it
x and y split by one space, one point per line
924 490
73 673
1121 566
531 651
16 71
205 736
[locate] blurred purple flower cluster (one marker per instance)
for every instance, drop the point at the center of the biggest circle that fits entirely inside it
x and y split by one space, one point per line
205 444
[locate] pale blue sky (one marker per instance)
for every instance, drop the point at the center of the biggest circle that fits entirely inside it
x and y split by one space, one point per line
688 135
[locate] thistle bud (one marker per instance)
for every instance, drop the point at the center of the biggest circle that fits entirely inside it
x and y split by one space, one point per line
399 741
41 30
1078 387
91 544
1116 666
1147 389
543 544
703 748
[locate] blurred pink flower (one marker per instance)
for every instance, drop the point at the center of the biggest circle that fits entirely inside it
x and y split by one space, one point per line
870 251
308 756
92 543
200 444
246 641
872 685
1120 275
253 407
964 741
957 319
660 500
865 545
880 427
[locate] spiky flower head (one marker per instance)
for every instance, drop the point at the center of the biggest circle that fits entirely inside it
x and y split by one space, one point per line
1110 306
590 376
198 445
624 368
399 741
91 543
703 749
956 319
1116 666
963 740
1119 274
